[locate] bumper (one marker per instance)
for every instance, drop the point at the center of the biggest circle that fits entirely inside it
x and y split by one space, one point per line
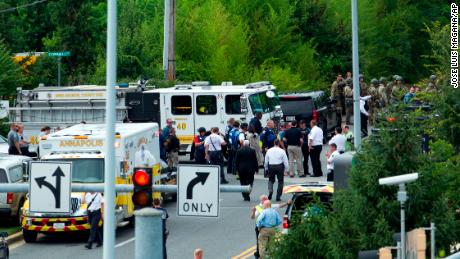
56 224
5 212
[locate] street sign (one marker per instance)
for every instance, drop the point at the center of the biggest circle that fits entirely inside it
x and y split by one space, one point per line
198 190
49 187
59 54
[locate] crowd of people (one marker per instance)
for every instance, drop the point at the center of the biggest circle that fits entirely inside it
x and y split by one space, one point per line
374 97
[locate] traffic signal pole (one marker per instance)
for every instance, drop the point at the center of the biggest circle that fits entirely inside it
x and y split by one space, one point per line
109 175
356 86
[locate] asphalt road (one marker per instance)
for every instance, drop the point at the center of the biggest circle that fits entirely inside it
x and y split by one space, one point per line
230 236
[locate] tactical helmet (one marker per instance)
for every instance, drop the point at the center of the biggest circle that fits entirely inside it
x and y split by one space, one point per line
374 81
432 77
201 129
382 80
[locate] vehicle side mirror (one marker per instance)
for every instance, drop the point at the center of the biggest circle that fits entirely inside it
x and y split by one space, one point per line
25 171
243 104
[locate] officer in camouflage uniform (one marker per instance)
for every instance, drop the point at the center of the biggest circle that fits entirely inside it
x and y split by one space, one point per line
383 99
398 90
432 86
373 101
337 94
362 85
390 86
348 92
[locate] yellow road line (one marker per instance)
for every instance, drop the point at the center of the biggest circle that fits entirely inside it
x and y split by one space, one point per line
246 253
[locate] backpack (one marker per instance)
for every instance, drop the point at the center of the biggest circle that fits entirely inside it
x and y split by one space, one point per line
234 138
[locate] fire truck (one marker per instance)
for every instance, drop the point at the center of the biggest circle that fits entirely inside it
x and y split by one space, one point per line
190 106
84 146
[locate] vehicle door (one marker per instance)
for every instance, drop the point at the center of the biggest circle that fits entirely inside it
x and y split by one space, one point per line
209 110
181 112
3 195
16 174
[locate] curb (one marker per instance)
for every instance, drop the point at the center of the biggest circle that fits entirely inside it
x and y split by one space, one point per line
16 237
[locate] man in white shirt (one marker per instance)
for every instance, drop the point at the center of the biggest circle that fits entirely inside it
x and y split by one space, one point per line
213 150
331 155
339 140
276 163
364 108
94 203
315 145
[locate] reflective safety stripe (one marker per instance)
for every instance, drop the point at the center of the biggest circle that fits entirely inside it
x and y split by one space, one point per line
259 209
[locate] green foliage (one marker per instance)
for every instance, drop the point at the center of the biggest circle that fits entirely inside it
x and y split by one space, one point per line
365 216
10 73
233 40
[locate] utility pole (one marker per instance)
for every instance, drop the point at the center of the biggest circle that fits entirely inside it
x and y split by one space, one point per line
356 86
59 71
172 41
166 38
109 176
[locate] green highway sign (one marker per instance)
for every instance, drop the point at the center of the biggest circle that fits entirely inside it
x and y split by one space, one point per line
59 54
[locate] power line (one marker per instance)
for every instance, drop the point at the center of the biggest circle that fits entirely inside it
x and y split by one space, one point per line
22 6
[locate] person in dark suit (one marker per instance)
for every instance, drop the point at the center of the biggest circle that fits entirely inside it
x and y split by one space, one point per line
246 166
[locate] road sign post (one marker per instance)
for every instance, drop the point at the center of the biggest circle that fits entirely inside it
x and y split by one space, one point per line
50 187
59 55
198 190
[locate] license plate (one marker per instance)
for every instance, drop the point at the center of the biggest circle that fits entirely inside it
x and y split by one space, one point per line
58 225
290 118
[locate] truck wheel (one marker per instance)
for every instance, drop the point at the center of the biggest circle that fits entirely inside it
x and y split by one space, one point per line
29 236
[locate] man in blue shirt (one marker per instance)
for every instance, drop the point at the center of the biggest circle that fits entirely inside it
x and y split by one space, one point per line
267 222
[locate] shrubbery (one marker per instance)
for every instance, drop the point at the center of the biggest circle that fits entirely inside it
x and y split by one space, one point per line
365 216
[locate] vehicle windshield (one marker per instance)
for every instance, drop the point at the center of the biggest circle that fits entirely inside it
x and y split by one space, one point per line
260 102
87 170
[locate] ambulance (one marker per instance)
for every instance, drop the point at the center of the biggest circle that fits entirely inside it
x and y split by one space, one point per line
190 106
84 146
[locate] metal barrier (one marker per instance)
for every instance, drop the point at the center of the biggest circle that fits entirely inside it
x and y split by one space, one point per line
99 187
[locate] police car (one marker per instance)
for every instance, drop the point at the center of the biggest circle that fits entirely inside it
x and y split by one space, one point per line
302 201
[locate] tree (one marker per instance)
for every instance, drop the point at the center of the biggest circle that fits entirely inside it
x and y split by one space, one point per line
10 73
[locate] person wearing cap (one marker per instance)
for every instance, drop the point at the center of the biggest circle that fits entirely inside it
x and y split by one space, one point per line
199 146
168 128
246 165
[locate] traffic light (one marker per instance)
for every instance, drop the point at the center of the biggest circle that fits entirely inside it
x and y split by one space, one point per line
142 193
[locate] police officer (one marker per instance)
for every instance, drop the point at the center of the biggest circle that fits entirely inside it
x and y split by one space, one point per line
199 146
268 136
348 91
362 85
234 144
432 85
373 102
94 203
382 94
398 90
337 93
